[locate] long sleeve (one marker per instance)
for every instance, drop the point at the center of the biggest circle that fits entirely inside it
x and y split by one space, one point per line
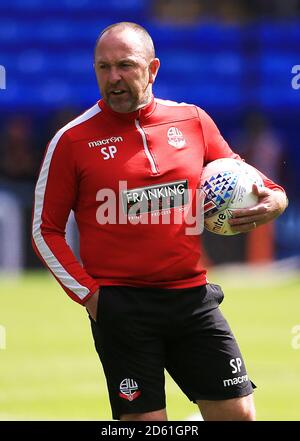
55 196
216 147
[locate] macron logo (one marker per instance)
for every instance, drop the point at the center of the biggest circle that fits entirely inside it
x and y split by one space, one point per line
236 380
111 140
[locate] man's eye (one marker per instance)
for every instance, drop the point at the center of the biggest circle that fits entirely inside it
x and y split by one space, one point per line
102 66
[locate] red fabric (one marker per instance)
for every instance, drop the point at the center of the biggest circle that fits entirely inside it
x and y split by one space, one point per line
138 255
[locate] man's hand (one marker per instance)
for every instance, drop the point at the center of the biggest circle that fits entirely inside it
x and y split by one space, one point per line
271 204
91 305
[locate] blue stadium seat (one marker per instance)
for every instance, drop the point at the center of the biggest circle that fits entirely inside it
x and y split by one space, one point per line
279 35
211 37
38 62
277 63
278 96
83 5
8 30
211 62
208 94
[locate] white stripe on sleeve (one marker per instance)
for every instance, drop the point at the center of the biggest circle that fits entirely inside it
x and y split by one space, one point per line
58 270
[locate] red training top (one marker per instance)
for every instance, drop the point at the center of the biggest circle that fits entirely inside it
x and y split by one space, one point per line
155 153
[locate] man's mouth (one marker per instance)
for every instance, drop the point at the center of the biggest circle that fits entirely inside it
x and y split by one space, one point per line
118 92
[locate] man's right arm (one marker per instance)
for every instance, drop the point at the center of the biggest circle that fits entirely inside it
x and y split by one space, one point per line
55 196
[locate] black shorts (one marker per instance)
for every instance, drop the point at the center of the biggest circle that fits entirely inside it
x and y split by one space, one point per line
139 332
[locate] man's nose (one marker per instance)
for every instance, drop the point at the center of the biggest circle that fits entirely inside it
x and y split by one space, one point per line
114 75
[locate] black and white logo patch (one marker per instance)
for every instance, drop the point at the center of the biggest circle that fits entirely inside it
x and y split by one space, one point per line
129 389
175 138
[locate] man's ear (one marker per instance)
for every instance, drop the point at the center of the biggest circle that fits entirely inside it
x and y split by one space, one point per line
153 69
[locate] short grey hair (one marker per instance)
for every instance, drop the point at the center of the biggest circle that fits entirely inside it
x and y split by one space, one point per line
145 36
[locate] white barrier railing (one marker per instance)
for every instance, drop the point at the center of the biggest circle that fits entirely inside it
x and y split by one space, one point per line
2 337
11 234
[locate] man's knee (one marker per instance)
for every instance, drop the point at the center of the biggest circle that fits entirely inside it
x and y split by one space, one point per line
245 409
235 409
156 415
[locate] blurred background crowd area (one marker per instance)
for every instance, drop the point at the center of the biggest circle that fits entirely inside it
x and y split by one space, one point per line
233 58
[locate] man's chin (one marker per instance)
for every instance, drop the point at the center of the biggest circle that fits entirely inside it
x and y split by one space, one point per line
121 107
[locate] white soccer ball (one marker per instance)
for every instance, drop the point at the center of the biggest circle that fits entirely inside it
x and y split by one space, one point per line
227 186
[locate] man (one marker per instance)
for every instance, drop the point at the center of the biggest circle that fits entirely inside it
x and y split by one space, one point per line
146 293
